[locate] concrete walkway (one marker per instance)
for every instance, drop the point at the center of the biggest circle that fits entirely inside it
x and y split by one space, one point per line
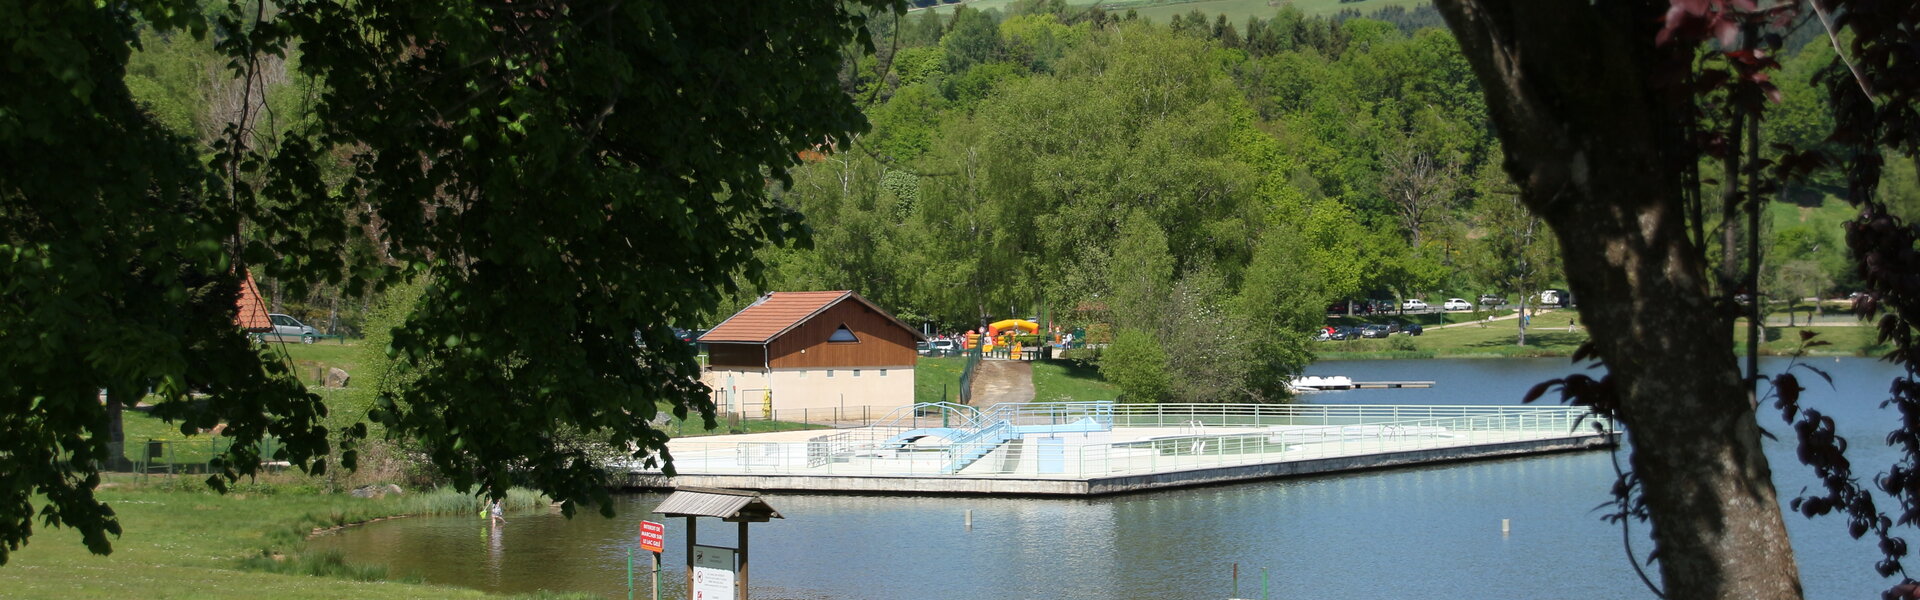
1510 317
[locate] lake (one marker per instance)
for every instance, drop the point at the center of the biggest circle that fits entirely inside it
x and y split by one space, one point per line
1420 532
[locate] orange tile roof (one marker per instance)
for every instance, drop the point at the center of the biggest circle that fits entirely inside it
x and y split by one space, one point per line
777 312
249 312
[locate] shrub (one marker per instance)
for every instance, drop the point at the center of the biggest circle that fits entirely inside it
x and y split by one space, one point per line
1402 343
1137 365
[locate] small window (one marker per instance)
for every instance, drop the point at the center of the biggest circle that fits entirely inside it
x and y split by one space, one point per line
803 375
856 372
883 372
829 373
843 335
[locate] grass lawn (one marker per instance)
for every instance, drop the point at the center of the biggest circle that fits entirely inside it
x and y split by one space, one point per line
1427 319
937 379
1548 336
193 544
1065 380
311 361
1236 11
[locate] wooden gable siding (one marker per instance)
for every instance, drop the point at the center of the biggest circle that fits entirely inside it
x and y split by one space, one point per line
883 342
736 356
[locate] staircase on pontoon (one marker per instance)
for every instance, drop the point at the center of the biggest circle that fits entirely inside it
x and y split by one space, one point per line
972 434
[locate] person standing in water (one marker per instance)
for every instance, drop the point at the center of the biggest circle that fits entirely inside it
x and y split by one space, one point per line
496 513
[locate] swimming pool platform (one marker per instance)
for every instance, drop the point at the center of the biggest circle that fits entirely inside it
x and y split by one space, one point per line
1095 449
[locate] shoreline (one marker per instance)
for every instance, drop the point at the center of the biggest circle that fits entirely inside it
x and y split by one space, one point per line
1549 353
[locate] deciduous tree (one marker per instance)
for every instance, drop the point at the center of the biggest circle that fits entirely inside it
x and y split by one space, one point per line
561 175
1593 119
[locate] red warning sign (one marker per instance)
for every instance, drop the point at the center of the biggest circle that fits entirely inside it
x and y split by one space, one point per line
653 536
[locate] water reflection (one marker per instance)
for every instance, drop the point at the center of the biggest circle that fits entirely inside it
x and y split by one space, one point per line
1423 532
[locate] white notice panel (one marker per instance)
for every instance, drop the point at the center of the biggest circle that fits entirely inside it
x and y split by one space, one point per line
712 573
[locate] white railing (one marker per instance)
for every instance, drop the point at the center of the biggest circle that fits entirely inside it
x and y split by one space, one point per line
1196 436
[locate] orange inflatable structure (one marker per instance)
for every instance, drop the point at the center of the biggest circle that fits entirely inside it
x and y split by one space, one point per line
1020 325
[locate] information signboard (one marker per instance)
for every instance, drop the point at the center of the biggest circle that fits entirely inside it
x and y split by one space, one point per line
713 570
653 536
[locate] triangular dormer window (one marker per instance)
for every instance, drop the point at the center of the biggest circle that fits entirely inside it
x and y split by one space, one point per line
843 335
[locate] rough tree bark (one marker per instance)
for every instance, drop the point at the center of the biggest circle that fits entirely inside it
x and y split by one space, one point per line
1596 143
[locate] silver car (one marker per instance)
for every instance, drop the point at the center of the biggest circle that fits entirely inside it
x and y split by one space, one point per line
285 326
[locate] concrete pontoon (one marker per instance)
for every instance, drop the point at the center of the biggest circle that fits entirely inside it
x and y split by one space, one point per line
1081 449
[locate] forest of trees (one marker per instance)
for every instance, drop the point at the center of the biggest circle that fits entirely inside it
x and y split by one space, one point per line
1211 186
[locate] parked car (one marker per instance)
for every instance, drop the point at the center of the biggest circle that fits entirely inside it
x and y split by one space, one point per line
1491 300
1375 330
1413 304
1337 308
1555 298
943 346
285 327
1342 332
923 347
1457 304
1413 329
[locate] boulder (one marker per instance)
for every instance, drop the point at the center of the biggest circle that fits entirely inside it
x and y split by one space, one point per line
337 378
376 491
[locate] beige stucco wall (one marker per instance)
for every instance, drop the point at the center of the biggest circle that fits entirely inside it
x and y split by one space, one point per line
795 389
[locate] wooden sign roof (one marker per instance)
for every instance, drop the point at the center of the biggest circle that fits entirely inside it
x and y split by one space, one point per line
728 505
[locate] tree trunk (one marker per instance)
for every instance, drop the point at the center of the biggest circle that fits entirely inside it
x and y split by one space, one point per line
1522 322
1598 149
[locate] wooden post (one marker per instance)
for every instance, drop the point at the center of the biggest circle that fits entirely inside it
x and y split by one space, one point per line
743 560
690 532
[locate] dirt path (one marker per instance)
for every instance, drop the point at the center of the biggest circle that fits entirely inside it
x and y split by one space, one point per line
996 381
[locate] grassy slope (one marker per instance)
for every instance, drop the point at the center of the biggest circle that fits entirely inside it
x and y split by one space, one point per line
1829 217
1549 337
189 544
1070 381
934 375
310 360
1427 319
1236 10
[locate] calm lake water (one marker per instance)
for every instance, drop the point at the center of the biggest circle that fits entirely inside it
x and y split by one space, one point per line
1431 532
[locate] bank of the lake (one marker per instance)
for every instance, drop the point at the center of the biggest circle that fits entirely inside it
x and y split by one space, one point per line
1556 333
1431 531
180 540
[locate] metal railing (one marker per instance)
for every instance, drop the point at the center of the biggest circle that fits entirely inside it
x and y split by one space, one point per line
966 375
1195 436
780 419
176 456
1051 413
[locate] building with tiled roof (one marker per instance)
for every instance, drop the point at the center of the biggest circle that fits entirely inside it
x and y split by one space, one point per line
250 312
810 350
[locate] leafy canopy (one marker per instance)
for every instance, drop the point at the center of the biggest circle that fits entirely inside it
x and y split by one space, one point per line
560 175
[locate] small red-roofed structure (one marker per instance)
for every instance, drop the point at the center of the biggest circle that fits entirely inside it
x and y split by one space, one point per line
250 312
810 350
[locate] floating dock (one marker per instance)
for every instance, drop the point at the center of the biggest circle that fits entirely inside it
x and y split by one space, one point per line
1092 449
1386 385
1337 382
